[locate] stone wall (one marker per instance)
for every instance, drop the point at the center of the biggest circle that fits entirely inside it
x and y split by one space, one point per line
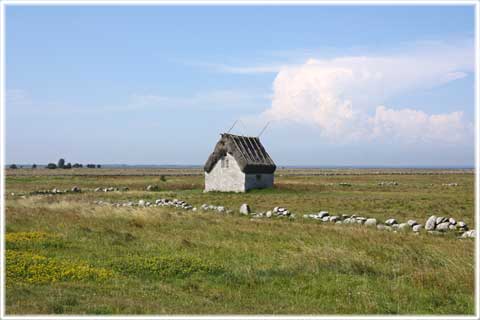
225 179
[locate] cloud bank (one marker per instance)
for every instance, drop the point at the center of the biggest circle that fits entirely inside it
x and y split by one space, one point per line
344 97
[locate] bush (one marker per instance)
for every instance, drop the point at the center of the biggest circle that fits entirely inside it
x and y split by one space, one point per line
61 163
68 166
34 166
77 165
13 166
51 166
91 166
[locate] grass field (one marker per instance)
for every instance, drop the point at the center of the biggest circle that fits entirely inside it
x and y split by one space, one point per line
67 255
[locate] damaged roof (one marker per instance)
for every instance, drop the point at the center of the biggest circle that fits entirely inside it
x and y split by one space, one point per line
249 153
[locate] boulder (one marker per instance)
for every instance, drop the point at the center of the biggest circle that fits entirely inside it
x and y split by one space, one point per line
442 226
379 226
339 222
268 214
440 220
395 226
221 209
334 218
452 227
469 234
322 214
325 219
412 223
431 222
452 221
461 224
417 228
75 189
371 222
141 203
404 226
391 222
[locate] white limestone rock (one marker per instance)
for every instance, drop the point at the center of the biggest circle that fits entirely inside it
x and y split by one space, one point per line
431 223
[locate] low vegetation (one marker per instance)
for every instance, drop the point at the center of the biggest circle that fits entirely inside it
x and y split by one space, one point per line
66 255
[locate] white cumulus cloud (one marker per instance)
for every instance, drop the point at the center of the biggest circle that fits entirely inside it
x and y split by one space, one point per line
344 97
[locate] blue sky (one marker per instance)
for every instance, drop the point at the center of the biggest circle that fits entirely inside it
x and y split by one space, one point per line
340 85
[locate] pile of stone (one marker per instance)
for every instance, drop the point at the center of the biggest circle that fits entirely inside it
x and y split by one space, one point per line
110 189
441 224
323 216
211 207
145 204
174 203
74 189
282 212
434 225
277 211
450 184
388 183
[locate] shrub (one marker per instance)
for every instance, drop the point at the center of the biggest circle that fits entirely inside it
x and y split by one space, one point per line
13 166
68 166
51 166
61 163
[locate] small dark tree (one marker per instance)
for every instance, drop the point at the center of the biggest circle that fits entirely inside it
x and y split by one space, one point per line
61 163
99 166
91 166
13 166
51 166
77 165
68 166
34 166
162 177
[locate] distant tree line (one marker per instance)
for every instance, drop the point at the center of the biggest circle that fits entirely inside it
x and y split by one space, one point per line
60 165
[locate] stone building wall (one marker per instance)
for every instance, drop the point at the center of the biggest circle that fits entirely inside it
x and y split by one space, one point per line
258 181
222 178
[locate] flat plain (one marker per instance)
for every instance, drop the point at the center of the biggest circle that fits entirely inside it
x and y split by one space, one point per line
66 254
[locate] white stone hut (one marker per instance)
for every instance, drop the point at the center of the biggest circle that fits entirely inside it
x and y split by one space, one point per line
238 164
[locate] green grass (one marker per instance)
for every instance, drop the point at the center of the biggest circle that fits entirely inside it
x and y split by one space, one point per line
167 261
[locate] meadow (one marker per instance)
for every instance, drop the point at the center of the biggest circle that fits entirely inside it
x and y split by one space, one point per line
65 254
